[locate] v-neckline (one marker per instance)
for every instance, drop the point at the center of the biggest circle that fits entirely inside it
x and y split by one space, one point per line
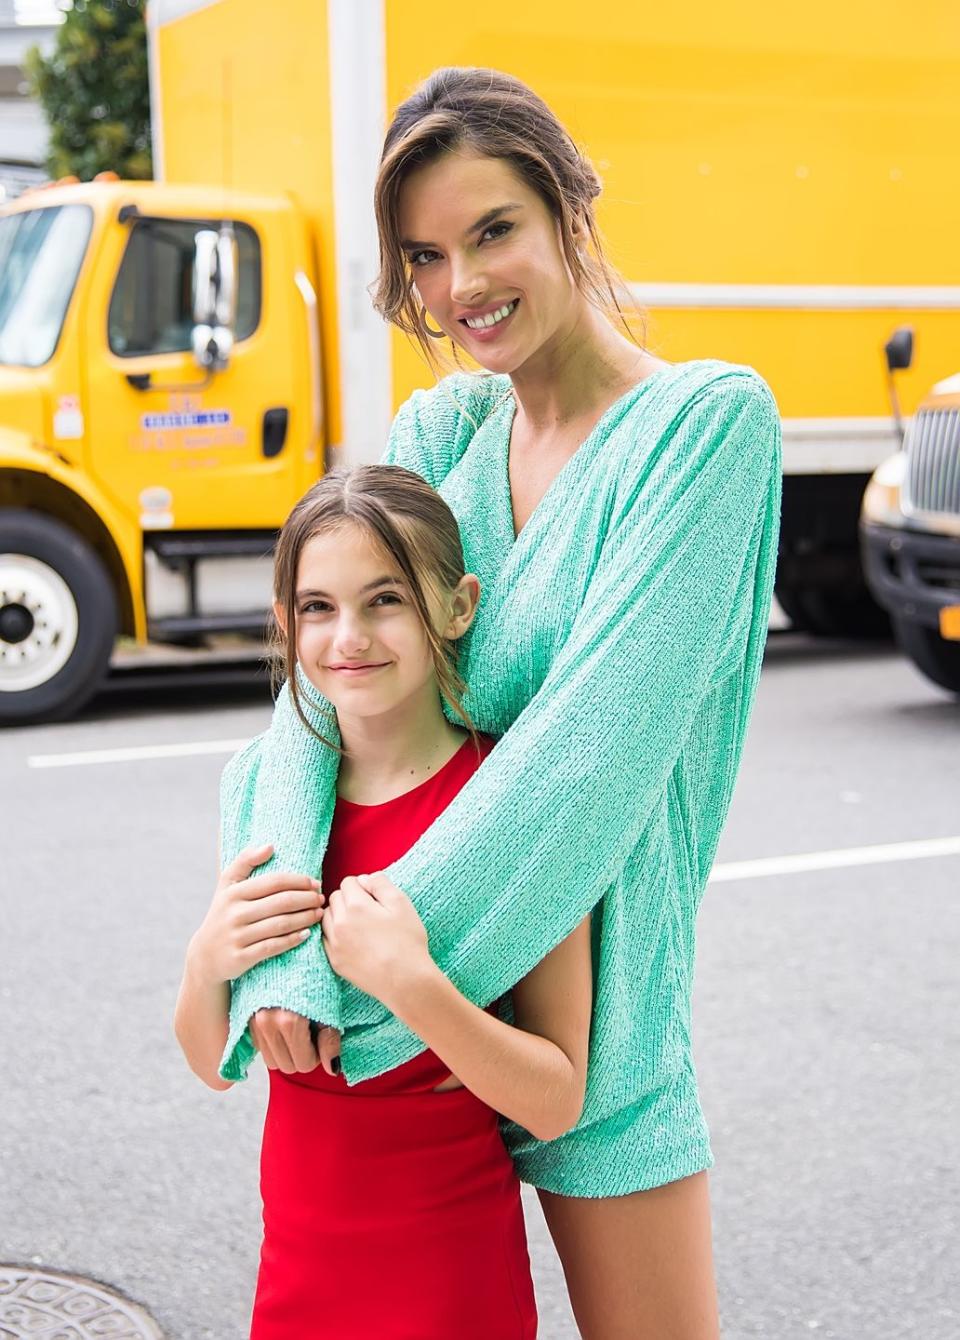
515 536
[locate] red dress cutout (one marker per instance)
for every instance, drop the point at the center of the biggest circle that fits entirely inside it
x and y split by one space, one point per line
390 1212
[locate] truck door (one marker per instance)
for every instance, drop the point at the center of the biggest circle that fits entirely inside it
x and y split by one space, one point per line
177 449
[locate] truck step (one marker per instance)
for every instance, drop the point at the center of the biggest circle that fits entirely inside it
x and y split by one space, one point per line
169 628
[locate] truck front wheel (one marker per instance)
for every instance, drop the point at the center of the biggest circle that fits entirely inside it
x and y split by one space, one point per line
826 612
934 655
58 618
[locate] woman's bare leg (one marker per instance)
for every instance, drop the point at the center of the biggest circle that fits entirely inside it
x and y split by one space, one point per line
638 1267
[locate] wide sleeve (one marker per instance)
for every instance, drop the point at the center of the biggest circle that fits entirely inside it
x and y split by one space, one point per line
546 824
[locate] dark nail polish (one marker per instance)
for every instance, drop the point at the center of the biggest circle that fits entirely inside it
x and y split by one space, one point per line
335 1065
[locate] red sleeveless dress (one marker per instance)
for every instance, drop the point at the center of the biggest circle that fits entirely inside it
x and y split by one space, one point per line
390 1212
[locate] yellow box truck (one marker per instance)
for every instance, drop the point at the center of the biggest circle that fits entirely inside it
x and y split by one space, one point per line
179 359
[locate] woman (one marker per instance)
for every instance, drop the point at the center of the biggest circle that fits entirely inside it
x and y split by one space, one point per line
621 514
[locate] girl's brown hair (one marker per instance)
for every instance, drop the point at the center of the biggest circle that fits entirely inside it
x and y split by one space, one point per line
415 529
496 116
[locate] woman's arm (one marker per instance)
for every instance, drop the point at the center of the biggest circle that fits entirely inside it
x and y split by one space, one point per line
535 1072
679 597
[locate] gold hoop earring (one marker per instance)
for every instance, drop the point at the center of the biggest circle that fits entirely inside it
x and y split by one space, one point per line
434 334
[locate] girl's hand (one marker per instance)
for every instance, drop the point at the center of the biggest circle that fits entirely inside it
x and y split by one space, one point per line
374 937
252 919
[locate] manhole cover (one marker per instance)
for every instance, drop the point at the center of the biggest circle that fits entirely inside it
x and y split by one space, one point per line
45 1305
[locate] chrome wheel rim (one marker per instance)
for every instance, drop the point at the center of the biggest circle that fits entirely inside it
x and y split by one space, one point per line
39 623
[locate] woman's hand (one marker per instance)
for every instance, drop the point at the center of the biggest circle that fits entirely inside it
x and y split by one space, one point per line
252 919
374 937
286 1042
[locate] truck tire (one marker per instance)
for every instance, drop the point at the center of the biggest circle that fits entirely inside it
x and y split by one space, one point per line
937 658
828 613
58 618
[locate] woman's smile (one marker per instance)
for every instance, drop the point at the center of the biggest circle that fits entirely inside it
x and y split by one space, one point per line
488 324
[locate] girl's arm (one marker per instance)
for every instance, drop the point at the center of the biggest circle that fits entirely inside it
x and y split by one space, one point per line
534 1072
249 920
201 1022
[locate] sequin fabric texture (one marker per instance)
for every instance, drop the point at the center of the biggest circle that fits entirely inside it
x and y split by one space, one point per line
615 655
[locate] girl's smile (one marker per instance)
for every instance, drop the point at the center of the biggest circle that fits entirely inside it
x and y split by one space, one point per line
366 669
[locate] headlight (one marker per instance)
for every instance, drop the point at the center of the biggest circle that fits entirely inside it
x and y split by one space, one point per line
881 499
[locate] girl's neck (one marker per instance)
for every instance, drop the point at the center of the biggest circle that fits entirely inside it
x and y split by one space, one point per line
385 756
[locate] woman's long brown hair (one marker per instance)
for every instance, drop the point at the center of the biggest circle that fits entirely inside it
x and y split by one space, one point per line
493 115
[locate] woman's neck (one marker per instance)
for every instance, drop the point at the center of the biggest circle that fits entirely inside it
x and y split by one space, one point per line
579 373
389 754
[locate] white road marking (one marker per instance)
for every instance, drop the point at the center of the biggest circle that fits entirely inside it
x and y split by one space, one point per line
835 860
763 868
133 753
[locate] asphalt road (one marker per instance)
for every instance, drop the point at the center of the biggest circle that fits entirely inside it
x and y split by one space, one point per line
826 1011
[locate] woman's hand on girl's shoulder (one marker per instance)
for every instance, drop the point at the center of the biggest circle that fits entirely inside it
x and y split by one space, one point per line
252 919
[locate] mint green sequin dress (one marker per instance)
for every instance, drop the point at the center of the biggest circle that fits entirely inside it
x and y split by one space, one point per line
616 652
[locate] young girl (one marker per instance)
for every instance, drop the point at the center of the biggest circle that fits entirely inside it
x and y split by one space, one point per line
391 1208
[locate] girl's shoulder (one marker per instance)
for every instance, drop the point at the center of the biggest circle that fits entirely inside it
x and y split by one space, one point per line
434 427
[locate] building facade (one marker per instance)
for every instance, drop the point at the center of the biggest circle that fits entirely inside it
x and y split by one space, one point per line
23 130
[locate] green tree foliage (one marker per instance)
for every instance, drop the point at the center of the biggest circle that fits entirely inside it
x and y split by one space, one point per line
95 92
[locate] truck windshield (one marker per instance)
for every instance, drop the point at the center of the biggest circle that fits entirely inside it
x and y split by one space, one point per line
41 251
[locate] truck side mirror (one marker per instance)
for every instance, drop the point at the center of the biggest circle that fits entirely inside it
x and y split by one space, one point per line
215 266
899 349
899 352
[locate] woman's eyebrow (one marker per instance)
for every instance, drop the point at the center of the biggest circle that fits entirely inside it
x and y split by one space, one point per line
483 222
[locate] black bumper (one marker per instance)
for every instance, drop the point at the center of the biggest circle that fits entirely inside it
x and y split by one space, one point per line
912 575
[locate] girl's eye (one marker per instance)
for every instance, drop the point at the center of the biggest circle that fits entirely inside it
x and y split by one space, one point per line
496 230
422 258
315 606
389 597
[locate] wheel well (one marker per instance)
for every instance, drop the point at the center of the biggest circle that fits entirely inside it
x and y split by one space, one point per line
39 493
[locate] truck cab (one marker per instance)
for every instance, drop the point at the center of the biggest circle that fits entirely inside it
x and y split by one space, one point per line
136 458
910 531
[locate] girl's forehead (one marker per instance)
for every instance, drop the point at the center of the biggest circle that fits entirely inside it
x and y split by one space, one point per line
346 548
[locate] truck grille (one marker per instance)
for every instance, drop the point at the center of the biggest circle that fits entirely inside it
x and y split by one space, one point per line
933 462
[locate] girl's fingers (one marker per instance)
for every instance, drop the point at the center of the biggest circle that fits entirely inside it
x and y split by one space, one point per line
261 886
245 863
279 904
276 928
271 948
382 889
